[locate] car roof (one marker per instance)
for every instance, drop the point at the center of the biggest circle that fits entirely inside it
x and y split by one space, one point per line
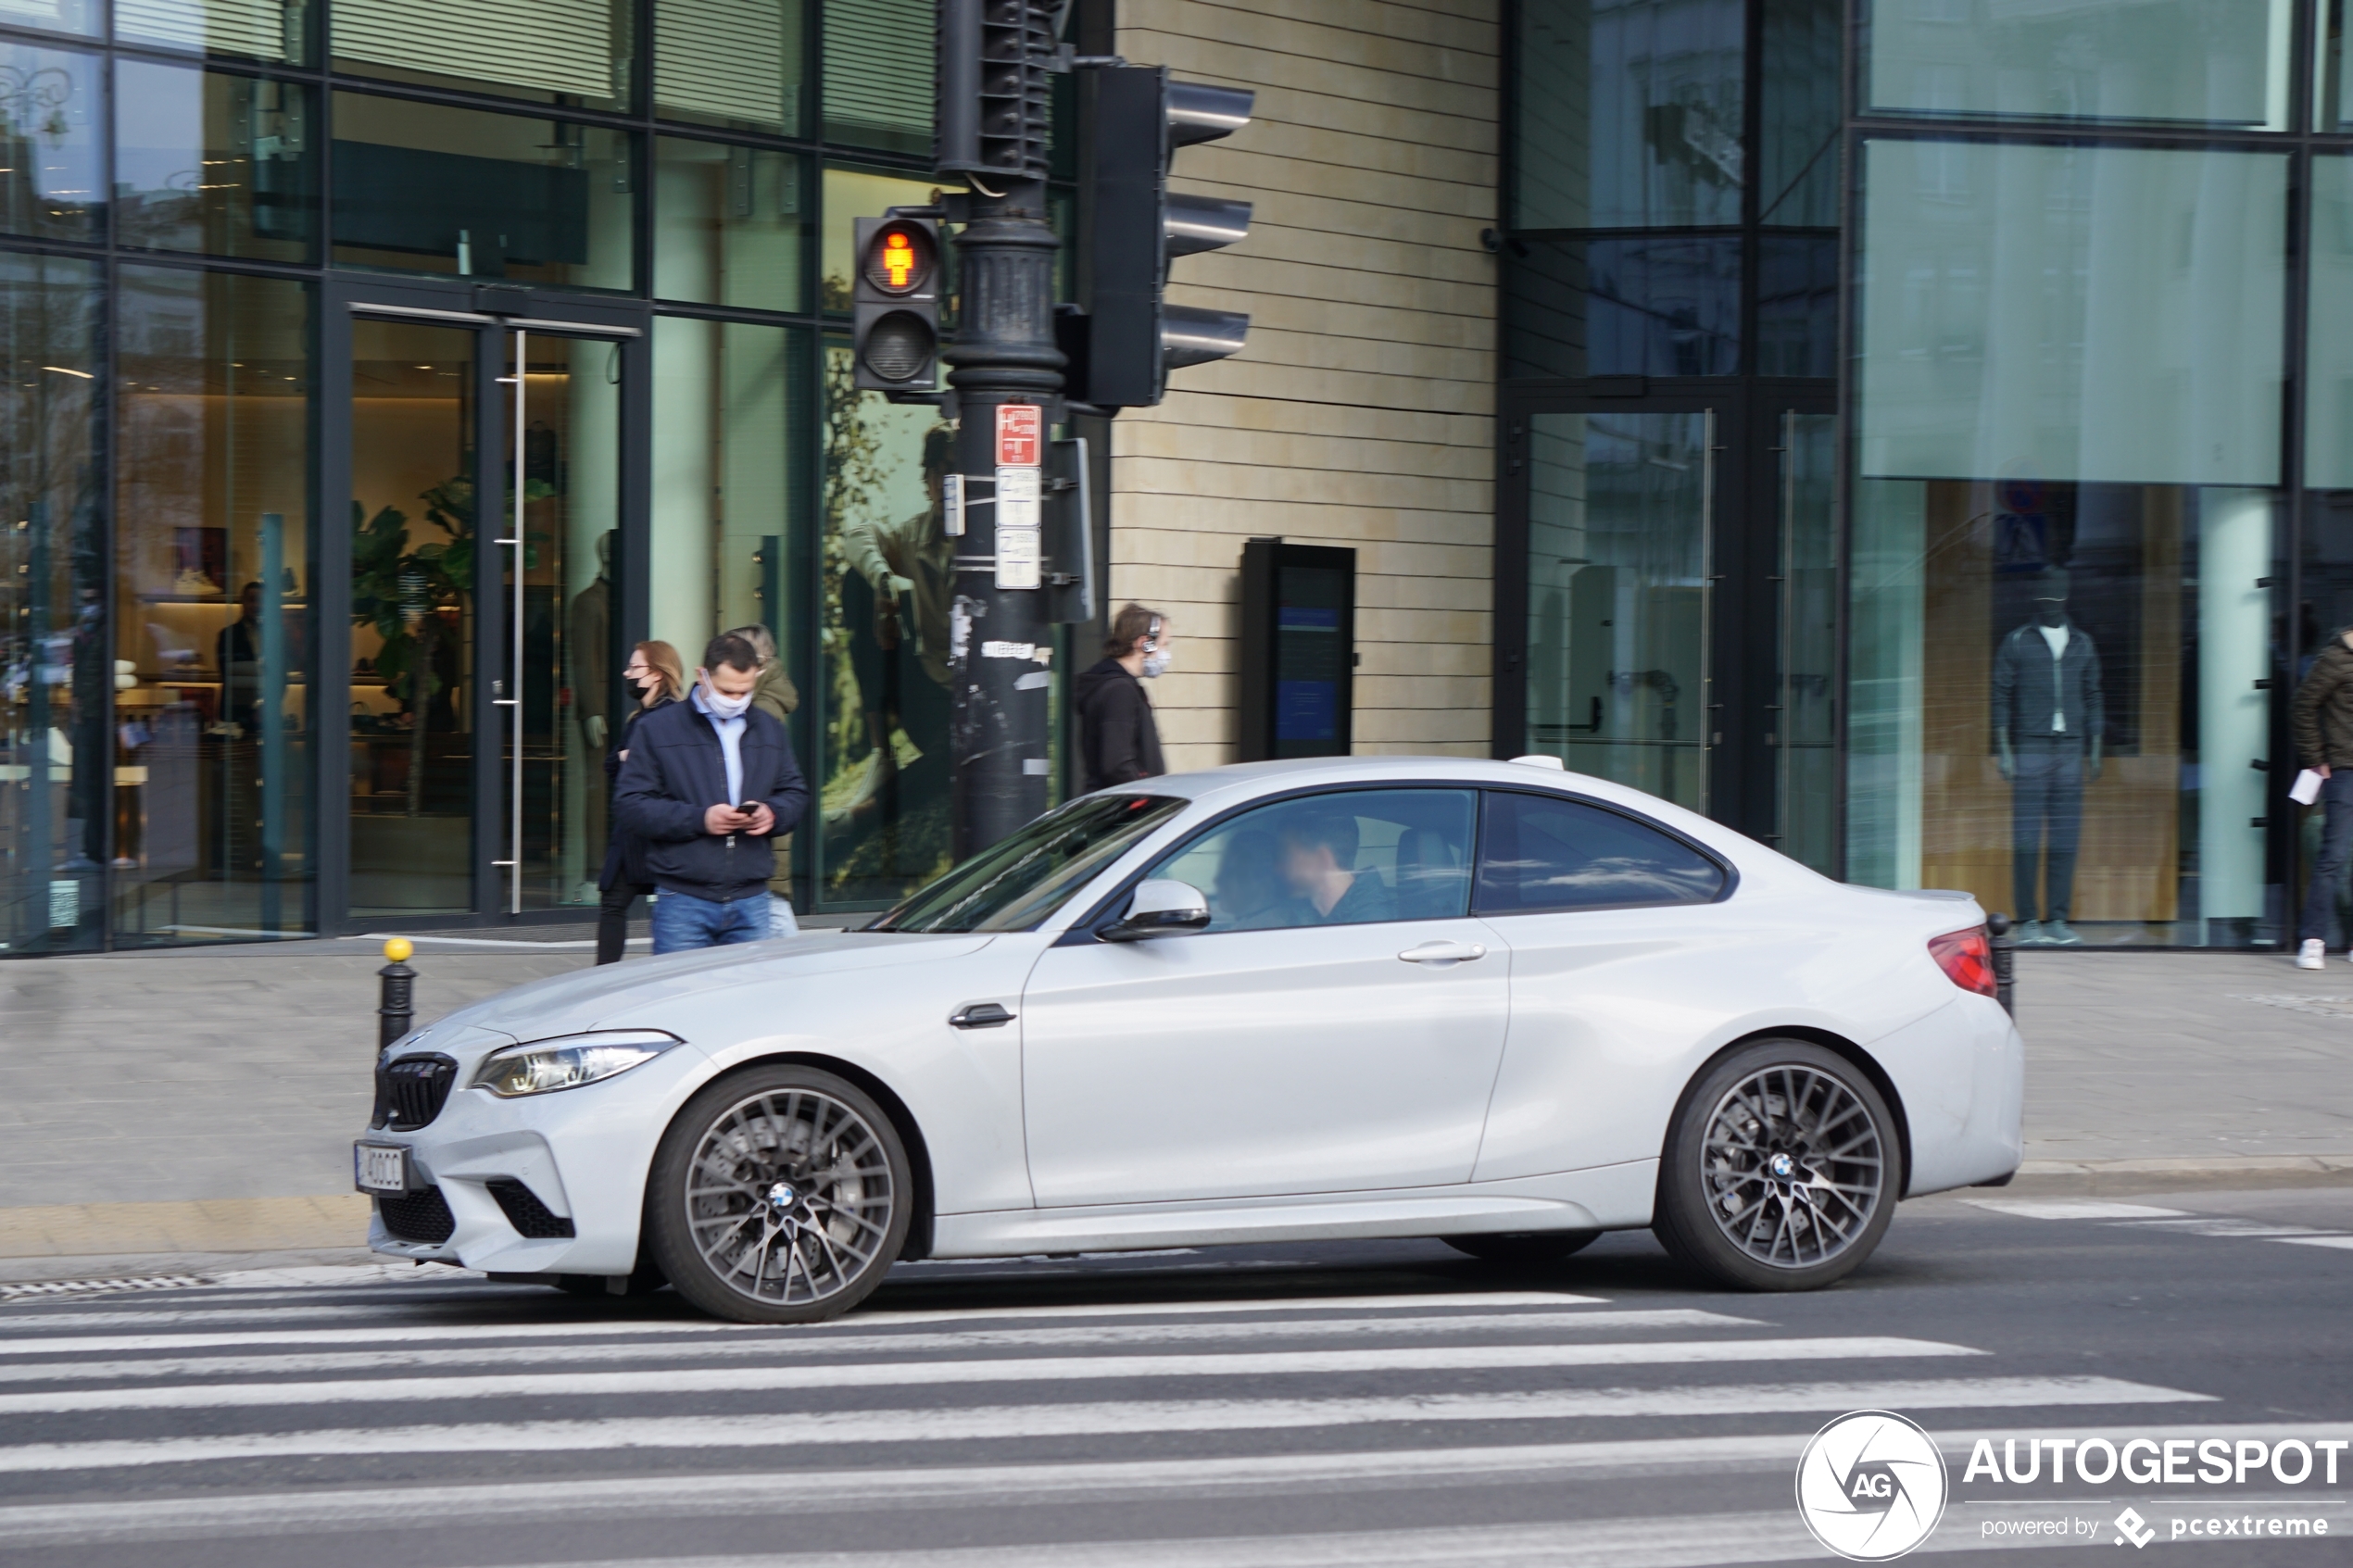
1238 782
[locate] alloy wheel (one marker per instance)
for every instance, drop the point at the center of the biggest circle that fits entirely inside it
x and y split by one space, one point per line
789 1198
1795 1165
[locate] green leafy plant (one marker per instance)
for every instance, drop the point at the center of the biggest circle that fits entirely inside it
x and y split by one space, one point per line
401 592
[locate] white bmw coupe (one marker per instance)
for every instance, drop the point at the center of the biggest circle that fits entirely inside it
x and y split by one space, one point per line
1490 1002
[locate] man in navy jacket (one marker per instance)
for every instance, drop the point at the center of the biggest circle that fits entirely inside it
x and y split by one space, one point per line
708 784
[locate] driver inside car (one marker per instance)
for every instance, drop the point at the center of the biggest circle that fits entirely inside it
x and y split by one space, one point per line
1249 895
1319 851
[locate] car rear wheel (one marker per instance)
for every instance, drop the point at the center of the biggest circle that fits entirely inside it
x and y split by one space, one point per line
1781 1171
1524 1250
780 1194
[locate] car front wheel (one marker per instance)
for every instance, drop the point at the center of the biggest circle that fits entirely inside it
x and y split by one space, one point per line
1781 1171
780 1194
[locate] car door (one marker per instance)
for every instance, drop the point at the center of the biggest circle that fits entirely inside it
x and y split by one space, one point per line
1337 1027
1624 953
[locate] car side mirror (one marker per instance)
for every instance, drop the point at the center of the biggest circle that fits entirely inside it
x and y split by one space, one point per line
1161 907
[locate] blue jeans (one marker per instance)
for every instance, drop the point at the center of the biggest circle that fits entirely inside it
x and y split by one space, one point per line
682 924
2337 846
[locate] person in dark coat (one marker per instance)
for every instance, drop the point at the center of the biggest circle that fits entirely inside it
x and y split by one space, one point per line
708 785
658 676
1119 741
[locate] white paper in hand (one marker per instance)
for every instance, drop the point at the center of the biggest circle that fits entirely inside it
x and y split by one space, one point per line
2306 788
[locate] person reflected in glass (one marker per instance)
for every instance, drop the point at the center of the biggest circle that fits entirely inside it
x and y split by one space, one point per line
895 599
1319 866
1249 895
238 653
658 677
2048 716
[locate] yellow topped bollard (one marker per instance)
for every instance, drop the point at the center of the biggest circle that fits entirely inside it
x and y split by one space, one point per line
396 1004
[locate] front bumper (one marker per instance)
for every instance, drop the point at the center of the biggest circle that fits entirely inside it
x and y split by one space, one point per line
579 1155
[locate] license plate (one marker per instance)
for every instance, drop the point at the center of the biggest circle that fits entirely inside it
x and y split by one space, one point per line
378 1167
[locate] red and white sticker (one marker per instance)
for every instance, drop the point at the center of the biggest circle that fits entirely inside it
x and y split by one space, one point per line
1020 429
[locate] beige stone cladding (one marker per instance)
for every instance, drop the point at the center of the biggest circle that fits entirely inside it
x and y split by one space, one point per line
1362 410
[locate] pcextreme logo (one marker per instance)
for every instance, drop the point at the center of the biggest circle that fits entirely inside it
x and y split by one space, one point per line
1870 1486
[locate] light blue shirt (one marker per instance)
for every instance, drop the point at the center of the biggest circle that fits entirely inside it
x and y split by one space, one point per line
731 744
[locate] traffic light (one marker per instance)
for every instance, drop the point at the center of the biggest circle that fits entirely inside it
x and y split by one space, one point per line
993 87
895 304
1130 337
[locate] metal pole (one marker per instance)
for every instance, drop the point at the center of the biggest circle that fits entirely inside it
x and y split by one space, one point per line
514 663
1003 355
396 997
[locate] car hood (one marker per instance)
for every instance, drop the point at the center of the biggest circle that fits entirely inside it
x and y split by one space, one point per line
645 993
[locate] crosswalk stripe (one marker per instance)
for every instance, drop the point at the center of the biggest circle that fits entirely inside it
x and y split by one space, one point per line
2342 1243
803 1491
1092 1419
575 1353
936 1374
409 1327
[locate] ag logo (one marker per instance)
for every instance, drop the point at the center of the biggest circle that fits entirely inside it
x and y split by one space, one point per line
1871 1485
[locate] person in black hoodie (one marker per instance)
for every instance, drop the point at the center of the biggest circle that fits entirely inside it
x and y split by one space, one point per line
1119 742
659 677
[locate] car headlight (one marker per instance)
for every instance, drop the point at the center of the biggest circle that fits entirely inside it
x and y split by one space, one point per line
568 1062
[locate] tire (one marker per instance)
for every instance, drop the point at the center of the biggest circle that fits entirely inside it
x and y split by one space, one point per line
1781 1171
1523 1249
780 1194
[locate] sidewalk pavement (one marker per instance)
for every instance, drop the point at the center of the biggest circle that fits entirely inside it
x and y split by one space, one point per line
166 1111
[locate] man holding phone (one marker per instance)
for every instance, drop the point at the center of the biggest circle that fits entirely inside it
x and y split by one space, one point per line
708 785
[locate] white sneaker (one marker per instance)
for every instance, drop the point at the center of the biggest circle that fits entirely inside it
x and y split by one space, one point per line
2313 953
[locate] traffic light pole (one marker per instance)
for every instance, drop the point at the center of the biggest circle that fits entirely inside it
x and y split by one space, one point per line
1003 355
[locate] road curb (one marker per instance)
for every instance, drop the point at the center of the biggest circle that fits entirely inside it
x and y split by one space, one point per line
2111 1178
202 1225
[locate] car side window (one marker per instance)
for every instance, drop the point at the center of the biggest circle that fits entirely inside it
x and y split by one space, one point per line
1342 859
1544 852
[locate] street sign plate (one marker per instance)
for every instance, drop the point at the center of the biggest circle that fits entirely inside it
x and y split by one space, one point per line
1020 546
1020 435
380 1167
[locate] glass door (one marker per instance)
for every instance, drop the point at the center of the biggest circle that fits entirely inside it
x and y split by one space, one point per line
1620 511
484 457
416 540
563 456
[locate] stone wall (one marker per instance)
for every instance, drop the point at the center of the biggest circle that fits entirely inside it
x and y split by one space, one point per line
1362 411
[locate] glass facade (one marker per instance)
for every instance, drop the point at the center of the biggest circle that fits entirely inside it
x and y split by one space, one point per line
2035 586
369 392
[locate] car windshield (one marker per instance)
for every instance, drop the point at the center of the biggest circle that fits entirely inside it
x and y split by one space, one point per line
1020 882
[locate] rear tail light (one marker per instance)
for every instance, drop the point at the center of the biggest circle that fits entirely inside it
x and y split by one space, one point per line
1967 959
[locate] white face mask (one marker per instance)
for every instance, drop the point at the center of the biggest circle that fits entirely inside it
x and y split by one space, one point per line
1156 663
724 707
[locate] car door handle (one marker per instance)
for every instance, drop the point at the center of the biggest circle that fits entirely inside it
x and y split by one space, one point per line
1444 952
980 1015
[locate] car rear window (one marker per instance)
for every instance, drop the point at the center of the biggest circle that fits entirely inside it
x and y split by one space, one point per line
1013 885
1547 852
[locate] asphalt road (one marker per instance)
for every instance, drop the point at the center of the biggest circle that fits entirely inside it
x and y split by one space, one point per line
1372 1406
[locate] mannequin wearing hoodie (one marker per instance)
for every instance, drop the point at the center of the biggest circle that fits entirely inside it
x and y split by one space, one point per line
1119 741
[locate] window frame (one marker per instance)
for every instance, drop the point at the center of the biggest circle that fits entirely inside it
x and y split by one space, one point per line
1085 931
1730 873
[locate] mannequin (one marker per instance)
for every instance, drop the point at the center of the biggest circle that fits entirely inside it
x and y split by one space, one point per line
2049 717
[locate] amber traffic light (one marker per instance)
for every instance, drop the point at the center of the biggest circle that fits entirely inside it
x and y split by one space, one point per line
895 304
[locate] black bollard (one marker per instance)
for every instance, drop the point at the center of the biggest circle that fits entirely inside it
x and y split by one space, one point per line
1997 929
397 1002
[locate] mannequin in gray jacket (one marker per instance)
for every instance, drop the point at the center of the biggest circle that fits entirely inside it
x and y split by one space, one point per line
2048 716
